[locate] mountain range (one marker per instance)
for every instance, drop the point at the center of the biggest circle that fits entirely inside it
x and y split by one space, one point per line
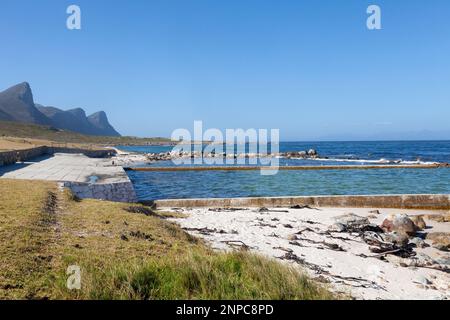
17 104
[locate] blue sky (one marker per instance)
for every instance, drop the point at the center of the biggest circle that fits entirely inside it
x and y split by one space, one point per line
310 68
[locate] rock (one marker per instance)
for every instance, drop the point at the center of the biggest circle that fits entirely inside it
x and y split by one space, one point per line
375 211
312 152
440 240
440 246
444 261
418 222
386 242
400 223
352 219
420 279
337 227
123 237
418 242
354 223
399 239
438 217
419 260
292 237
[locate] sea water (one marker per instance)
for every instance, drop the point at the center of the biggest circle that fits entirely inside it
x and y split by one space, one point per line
215 184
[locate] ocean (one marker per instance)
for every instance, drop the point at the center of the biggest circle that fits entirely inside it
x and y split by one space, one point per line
218 184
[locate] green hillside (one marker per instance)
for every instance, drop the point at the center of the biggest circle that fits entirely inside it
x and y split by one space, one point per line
25 130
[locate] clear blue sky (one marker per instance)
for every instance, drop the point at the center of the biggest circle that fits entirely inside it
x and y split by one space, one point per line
310 68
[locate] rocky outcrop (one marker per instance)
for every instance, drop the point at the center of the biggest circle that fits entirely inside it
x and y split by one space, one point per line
164 156
5 117
73 120
400 223
396 237
310 154
350 223
17 104
418 222
438 217
100 122
77 121
440 240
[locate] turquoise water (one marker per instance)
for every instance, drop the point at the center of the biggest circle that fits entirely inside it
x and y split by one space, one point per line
218 184
426 151
215 184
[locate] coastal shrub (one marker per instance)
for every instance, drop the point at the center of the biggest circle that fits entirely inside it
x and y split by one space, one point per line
123 255
201 274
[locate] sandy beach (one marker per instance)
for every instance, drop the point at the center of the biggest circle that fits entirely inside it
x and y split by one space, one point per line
341 260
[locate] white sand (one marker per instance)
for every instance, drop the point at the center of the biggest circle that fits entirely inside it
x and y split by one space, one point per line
267 233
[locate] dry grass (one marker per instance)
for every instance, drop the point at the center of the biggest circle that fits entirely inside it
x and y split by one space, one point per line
26 235
50 135
122 255
7 144
14 143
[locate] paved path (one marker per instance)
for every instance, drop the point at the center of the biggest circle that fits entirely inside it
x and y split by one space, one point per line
68 167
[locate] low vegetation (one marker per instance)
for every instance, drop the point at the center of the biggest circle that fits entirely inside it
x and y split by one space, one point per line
48 135
123 253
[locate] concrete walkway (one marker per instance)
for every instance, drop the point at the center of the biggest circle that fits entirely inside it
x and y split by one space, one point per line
87 177
70 167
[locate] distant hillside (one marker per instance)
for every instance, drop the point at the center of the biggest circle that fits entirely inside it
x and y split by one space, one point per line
100 121
17 104
75 120
25 130
5 117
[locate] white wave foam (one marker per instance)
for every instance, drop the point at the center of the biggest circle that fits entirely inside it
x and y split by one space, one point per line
379 161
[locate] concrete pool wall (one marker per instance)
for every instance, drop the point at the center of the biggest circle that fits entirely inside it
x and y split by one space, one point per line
116 191
86 177
11 157
404 201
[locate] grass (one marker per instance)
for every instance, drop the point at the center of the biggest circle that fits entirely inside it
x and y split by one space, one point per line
123 255
200 274
48 135
26 236
7 143
14 143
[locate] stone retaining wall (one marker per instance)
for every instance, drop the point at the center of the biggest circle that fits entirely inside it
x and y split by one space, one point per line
94 153
426 201
119 192
11 157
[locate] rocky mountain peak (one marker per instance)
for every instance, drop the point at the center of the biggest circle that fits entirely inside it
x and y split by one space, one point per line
17 104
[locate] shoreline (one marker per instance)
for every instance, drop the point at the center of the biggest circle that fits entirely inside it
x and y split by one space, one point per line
293 230
132 161
252 168
388 201
301 238
130 158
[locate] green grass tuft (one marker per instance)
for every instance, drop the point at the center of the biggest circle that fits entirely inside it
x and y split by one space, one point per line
199 274
123 255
